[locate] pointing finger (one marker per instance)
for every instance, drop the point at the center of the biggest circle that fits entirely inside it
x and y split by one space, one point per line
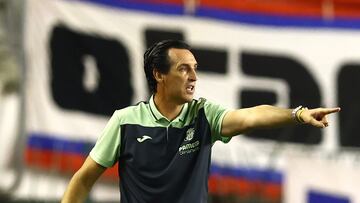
331 110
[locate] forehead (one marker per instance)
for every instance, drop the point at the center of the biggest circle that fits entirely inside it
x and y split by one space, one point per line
181 56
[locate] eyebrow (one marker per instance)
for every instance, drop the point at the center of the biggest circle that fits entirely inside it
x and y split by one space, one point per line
196 65
187 66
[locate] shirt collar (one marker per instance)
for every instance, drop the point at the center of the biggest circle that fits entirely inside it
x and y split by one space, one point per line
158 116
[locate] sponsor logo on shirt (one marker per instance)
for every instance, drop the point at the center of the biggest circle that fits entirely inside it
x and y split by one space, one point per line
189 147
143 138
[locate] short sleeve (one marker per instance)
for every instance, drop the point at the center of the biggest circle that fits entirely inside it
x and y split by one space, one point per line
215 114
106 150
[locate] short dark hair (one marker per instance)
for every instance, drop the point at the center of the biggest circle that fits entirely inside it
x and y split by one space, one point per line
157 57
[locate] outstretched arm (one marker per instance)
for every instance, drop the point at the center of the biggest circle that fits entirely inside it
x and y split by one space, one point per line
266 116
82 181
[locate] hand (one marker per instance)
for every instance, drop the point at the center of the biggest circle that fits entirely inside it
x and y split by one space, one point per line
317 117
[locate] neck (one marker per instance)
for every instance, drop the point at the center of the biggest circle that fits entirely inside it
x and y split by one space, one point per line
166 107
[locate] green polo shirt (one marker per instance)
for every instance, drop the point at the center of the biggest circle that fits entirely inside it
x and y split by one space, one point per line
157 156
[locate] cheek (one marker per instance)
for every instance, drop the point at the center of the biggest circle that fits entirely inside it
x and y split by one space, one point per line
175 81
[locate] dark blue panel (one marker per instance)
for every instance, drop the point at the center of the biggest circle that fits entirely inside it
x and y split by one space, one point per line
150 7
54 143
314 196
277 20
236 16
265 175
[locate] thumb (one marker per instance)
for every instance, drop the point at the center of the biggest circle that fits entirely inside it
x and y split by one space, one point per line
317 123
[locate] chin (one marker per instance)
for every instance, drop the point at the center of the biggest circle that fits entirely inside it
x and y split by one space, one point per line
185 98
188 98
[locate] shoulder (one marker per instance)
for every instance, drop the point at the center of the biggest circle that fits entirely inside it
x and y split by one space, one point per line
133 113
197 106
202 103
209 107
198 103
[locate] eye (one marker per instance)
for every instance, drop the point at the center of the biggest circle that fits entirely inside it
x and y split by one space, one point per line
183 68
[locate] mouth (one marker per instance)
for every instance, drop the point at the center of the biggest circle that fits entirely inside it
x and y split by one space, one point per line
190 89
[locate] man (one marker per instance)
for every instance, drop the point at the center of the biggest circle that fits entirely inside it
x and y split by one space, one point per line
163 146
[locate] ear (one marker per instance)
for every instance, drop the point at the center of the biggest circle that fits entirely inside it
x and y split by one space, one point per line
158 75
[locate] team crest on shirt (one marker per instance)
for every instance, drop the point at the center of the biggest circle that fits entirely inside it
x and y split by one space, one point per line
189 134
189 147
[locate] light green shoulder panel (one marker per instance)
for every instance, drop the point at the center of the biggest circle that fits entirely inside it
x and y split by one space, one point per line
107 148
214 114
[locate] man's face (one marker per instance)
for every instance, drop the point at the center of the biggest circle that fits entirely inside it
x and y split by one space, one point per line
179 83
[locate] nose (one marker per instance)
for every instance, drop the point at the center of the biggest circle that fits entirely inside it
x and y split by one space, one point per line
193 75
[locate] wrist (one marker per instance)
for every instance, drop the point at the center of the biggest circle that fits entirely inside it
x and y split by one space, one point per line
296 114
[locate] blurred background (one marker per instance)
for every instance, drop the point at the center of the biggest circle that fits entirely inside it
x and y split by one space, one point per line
66 65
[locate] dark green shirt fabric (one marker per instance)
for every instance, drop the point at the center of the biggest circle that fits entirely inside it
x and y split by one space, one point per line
161 160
